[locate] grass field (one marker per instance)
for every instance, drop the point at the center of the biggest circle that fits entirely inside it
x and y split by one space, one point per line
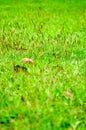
49 94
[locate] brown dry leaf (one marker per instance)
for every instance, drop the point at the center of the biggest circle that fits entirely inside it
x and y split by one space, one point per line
68 94
28 60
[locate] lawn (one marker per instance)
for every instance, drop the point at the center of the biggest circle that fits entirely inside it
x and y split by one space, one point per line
48 93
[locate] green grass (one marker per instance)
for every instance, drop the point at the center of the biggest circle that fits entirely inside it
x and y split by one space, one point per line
53 34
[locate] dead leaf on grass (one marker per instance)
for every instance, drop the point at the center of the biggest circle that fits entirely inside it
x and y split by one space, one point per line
28 60
68 93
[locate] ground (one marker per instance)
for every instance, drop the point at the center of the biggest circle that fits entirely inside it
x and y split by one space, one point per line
48 94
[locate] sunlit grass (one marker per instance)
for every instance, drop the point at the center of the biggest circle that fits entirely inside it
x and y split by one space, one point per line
49 94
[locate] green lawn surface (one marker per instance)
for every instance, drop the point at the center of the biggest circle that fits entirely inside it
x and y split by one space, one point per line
49 94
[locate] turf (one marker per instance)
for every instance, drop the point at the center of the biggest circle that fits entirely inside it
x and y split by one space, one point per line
49 94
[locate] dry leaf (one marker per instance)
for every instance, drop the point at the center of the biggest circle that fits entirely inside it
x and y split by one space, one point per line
28 60
68 94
